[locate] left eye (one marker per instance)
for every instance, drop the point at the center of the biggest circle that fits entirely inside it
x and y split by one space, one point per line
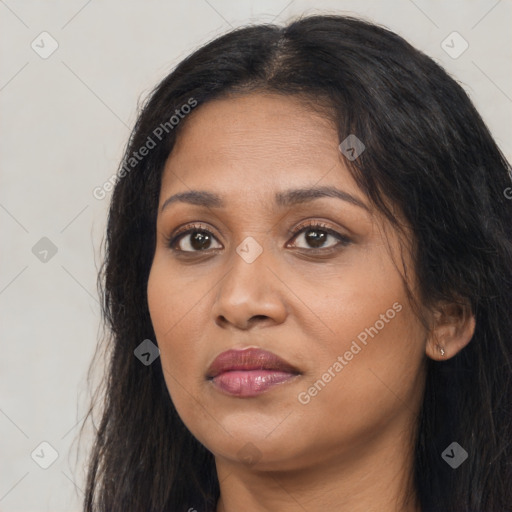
316 236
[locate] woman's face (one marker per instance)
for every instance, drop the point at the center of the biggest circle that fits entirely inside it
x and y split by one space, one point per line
259 272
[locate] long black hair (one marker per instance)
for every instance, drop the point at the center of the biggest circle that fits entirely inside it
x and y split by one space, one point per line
428 153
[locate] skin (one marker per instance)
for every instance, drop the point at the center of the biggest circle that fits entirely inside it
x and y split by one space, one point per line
350 447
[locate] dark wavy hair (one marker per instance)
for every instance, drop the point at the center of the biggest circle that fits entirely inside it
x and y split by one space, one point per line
428 153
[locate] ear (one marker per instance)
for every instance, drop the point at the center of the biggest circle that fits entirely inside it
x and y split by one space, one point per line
452 329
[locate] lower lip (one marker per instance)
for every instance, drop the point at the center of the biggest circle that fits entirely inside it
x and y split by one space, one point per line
246 383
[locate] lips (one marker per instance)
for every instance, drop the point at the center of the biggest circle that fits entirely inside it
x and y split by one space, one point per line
249 372
249 359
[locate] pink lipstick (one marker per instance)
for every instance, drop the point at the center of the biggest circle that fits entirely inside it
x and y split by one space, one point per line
249 372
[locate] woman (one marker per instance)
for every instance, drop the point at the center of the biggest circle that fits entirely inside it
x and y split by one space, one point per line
310 224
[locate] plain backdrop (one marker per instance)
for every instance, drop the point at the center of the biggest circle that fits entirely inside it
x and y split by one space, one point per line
65 119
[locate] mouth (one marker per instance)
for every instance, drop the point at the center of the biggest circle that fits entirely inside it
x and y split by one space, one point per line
249 372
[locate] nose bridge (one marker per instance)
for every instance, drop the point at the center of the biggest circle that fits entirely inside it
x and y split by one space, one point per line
246 274
249 288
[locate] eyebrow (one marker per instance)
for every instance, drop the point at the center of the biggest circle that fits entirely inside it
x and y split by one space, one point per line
287 198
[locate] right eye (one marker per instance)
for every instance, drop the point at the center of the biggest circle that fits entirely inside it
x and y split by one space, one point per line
193 239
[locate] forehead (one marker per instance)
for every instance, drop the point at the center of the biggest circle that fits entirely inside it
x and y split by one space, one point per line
260 142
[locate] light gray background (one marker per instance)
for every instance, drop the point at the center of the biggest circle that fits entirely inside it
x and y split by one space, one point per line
64 123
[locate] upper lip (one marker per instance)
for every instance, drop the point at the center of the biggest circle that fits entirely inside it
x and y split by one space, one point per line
248 359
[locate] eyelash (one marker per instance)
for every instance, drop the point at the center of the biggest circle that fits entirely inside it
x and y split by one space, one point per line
343 240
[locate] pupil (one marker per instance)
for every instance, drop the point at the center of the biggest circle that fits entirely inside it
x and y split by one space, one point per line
200 241
318 238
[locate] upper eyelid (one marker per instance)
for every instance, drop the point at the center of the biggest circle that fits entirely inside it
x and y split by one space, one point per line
310 224
187 229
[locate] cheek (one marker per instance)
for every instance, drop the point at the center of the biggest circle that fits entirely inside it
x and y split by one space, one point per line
369 362
180 309
175 312
360 299
371 371
174 300
176 305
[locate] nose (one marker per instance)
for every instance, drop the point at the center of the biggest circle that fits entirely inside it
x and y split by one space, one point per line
250 294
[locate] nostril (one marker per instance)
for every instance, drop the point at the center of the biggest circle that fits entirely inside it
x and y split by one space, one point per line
222 319
259 317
